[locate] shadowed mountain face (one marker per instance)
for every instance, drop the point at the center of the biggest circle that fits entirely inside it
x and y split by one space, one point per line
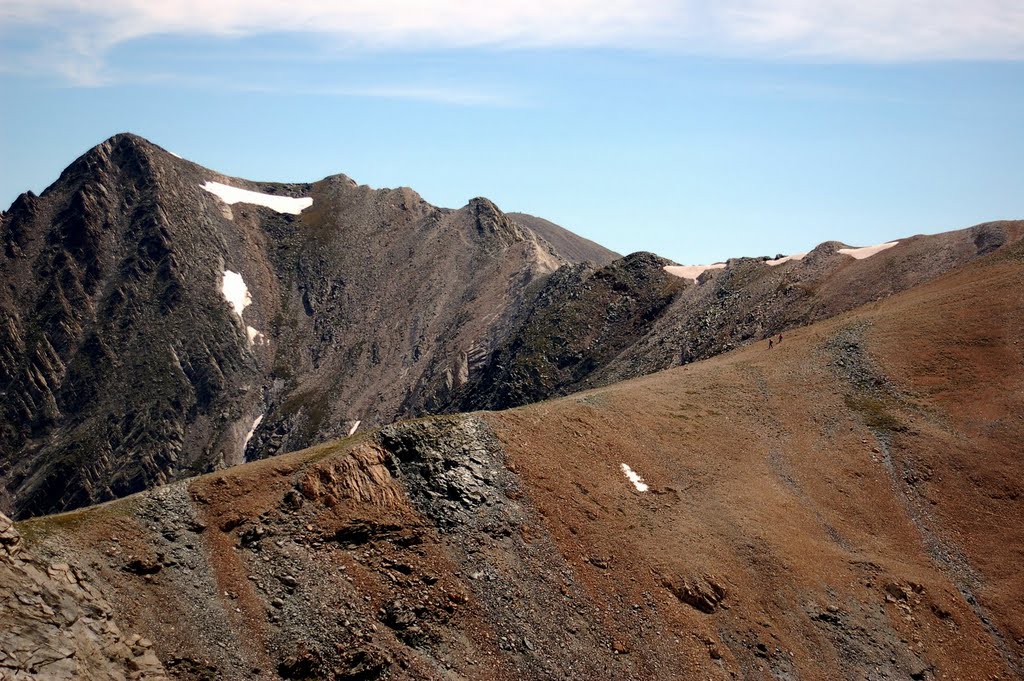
151 331
123 365
842 506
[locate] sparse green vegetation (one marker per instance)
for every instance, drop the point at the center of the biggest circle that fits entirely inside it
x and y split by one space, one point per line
876 413
65 523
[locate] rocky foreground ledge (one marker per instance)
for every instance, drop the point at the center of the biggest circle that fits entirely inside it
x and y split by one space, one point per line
55 625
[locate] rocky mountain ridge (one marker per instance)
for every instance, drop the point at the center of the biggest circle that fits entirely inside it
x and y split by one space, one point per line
834 507
152 329
590 327
124 366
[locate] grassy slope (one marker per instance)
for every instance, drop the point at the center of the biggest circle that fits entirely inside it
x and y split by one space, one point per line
848 489
794 501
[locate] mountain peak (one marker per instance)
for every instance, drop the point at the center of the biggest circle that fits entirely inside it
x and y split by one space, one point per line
124 365
127 366
123 150
123 143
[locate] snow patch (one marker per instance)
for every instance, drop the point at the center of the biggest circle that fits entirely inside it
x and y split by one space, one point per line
281 204
788 258
174 155
254 335
236 292
248 436
867 251
634 478
692 271
352 430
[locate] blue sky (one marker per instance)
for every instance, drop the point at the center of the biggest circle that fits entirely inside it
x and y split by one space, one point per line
683 128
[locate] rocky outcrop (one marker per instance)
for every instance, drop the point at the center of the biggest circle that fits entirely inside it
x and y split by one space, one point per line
453 471
55 625
704 592
579 322
361 476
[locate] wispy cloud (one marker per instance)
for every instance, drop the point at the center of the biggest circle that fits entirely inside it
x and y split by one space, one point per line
81 33
441 94
878 30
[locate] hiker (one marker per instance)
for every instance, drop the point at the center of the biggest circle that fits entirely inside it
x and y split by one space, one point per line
770 343
779 342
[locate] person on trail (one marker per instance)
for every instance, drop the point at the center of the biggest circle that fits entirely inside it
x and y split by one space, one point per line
779 342
770 343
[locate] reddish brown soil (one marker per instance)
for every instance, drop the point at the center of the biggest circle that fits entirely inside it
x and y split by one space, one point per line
845 505
764 478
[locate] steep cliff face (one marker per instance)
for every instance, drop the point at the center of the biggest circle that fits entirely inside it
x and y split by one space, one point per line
116 341
157 321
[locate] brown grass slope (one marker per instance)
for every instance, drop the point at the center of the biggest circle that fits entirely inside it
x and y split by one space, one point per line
751 300
845 505
856 491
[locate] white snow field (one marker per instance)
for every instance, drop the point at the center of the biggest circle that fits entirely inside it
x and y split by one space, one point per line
867 251
236 292
254 335
634 478
282 204
692 271
248 436
788 258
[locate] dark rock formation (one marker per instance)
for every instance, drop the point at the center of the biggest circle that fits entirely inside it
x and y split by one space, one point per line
579 322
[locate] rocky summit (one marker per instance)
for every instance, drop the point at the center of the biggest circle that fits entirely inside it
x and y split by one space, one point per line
243 436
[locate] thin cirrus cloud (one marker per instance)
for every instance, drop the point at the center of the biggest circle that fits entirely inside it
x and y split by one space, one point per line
79 34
